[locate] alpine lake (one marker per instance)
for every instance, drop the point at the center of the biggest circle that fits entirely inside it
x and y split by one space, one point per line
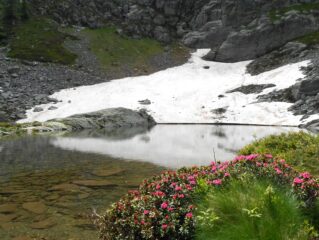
51 184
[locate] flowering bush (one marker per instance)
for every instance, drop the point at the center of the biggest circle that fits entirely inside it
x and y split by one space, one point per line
163 207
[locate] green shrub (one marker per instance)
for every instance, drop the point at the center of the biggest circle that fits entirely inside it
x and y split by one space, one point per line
309 39
301 149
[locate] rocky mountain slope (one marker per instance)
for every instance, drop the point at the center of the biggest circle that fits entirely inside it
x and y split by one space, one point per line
274 33
234 29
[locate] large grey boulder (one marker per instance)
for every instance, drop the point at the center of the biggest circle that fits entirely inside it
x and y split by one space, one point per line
110 119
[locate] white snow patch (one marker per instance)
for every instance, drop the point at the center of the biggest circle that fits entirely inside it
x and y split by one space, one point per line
185 94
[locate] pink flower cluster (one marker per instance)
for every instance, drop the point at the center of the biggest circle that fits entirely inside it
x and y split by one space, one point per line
163 205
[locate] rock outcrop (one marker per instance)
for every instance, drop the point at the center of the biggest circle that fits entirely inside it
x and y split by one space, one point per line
236 30
111 119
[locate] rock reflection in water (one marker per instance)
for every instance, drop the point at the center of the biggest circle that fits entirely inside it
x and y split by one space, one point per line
172 146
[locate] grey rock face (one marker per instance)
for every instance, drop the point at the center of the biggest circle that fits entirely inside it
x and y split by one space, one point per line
289 53
113 118
249 44
309 87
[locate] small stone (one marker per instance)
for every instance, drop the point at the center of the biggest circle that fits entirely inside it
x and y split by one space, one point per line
14 75
83 195
52 108
13 70
38 109
35 207
145 102
7 217
206 67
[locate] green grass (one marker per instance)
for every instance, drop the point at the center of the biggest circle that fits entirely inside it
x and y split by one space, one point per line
250 210
39 40
116 52
276 14
301 149
309 39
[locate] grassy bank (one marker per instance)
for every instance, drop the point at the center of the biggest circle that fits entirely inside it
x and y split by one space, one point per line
39 39
276 14
250 209
301 150
118 53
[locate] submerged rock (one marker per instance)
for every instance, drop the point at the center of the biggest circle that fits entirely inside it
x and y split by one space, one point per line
48 223
35 207
94 183
8 208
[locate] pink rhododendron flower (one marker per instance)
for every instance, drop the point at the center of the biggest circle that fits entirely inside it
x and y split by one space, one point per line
181 195
159 194
164 226
298 181
146 212
189 215
158 187
192 182
227 174
177 188
305 175
268 156
191 178
278 171
252 156
217 182
164 205
241 157
170 209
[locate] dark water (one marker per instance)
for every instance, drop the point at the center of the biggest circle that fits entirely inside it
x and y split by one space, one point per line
50 184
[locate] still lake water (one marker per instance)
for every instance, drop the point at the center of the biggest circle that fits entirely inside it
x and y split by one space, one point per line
50 184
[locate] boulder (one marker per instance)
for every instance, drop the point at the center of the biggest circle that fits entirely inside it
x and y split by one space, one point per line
109 119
